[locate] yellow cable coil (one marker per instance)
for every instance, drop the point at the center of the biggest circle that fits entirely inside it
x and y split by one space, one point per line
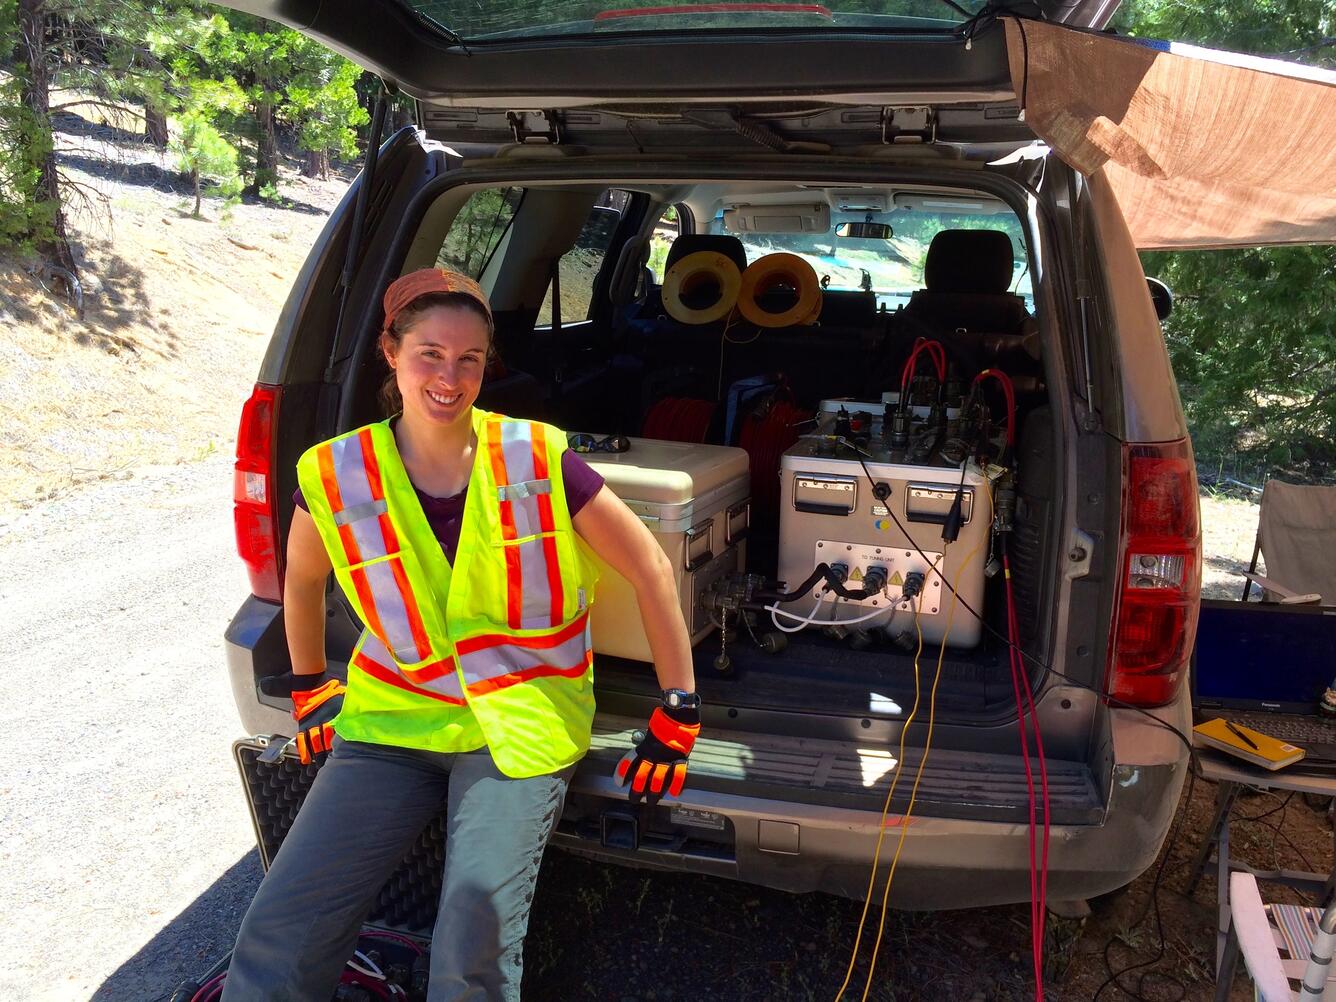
777 271
705 279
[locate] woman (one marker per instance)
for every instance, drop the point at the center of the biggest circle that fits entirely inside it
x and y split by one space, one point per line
453 533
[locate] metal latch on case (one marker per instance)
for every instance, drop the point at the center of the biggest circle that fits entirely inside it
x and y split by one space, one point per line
699 549
275 745
738 519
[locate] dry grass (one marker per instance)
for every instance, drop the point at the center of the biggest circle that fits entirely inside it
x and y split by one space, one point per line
178 313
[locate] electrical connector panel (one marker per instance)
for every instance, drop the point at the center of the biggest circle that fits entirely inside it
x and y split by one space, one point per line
829 514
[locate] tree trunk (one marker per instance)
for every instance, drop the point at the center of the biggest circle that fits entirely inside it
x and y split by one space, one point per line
194 176
51 240
266 149
155 127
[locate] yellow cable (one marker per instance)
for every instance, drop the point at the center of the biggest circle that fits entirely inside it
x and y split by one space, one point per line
881 827
923 762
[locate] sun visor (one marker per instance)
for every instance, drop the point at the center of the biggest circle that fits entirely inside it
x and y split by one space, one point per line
1202 148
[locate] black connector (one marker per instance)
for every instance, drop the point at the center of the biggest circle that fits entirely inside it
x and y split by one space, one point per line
914 582
951 526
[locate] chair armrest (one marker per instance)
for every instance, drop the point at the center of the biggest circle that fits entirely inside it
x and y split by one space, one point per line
1256 942
1287 596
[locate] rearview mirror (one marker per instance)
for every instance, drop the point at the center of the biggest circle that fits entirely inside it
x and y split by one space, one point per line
865 231
1161 297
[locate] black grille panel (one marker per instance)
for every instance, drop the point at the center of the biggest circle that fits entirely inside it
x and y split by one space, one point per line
275 792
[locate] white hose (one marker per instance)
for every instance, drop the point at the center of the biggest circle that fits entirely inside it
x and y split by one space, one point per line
808 620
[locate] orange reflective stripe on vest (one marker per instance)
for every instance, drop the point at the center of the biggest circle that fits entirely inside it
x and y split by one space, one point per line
495 661
350 474
437 681
534 593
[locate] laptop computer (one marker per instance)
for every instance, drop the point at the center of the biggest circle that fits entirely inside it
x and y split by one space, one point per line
1266 667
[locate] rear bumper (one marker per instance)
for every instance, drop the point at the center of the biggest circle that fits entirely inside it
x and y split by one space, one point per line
946 862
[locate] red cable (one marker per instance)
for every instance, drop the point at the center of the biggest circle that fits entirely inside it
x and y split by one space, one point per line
935 351
1021 682
206 992
1009 392
1016 671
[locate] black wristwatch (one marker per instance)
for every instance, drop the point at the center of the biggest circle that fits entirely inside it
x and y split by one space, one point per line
676 699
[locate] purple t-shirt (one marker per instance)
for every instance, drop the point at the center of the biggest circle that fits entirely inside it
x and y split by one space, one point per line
446 515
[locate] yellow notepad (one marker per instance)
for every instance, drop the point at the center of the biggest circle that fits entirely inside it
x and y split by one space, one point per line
1270 753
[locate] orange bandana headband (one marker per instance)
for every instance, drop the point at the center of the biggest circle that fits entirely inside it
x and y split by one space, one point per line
416 284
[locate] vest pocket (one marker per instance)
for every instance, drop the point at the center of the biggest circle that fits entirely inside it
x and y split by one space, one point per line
525 509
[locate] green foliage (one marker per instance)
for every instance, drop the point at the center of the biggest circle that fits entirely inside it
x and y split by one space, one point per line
204 154
321 100
1253 343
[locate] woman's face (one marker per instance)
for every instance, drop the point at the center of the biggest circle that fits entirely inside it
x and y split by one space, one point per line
439 364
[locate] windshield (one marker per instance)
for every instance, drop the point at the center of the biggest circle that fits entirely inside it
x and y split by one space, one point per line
893 267
480 20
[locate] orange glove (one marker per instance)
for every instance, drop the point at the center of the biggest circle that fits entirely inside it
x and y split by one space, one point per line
314 709
658 764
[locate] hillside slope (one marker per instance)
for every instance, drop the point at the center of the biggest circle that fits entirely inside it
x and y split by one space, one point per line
178 312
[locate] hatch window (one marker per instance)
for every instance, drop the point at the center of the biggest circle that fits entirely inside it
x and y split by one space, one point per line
484 20
892 267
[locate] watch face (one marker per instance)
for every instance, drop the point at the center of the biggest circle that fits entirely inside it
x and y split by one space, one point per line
677 698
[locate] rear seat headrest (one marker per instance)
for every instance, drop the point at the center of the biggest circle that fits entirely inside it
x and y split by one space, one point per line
720 243
967 261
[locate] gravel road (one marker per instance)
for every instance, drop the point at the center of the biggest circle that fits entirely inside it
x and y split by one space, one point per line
126 855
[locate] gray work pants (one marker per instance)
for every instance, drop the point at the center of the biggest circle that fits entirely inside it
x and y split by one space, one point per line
367 805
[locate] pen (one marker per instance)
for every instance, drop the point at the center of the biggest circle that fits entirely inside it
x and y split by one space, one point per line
1241 736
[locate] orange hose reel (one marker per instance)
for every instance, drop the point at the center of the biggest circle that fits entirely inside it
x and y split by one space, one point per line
778 271
701 288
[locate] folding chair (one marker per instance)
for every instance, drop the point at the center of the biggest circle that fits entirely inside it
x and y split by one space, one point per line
1296 534
1279 944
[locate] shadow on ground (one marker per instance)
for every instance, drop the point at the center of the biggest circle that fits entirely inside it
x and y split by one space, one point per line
146 174
191 943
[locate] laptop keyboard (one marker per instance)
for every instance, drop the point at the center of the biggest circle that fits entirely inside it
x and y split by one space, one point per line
1296 730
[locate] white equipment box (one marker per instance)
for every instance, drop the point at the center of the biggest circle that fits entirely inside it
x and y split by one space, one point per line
696 501
828 515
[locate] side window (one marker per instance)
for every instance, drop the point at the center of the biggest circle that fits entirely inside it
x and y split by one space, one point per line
666 230
477 229
579 266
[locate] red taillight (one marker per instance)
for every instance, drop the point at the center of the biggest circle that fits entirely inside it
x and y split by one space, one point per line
1159 560
256 510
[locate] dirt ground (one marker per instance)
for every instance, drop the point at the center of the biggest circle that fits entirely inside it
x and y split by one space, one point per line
178 313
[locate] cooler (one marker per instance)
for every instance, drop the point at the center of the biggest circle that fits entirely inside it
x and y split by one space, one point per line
696 501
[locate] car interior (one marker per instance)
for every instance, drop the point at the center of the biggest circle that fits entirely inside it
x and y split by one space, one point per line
588 340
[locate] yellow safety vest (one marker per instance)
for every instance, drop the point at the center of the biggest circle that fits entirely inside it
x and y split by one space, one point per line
493 650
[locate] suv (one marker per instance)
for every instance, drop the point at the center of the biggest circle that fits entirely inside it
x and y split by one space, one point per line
886 153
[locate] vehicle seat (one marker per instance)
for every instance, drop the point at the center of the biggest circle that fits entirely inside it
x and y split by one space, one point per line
967 274
512 393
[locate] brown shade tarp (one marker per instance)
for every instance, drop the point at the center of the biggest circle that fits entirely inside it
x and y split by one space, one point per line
1202 148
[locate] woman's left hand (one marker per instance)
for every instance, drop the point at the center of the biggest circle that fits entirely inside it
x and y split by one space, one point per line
657 766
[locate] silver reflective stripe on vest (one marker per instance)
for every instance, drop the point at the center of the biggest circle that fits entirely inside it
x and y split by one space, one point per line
523 493
446 685
392 608
524 488
360 510
511 662
350 471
